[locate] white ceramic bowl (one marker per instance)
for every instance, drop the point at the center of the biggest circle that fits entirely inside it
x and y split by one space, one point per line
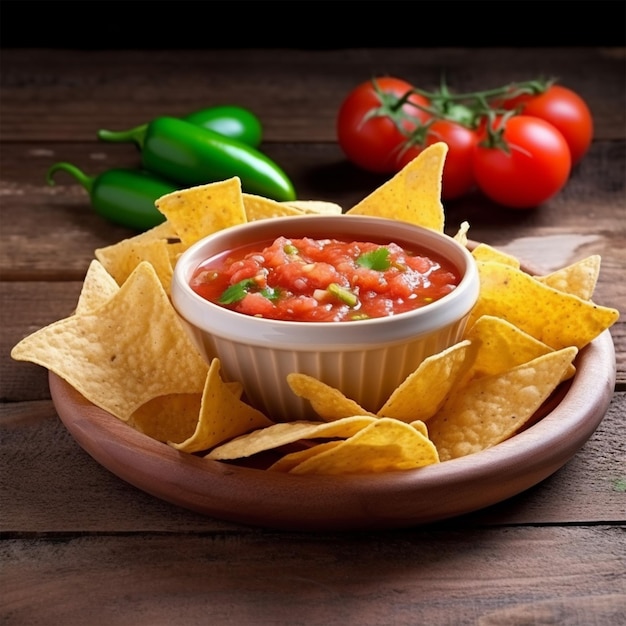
365 359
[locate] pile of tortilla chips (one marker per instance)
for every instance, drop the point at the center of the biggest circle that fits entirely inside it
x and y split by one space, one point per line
125 349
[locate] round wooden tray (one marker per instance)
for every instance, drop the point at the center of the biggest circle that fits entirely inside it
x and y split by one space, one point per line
314 503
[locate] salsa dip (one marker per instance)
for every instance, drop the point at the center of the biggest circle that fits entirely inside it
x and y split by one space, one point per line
324 280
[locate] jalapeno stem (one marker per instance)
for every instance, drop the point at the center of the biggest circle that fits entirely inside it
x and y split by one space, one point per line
123 196
80 176
136 135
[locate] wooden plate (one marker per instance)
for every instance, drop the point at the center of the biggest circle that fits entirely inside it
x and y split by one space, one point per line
313 503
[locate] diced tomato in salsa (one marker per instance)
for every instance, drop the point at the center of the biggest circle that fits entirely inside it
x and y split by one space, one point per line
324 280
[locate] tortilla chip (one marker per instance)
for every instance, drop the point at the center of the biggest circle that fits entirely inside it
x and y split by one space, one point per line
503 346
283 433
129 350
385 445
491 409
316 206
260 208
222 415
168 418
121 259
420 427
164 230
200 211
424 391
484 252
555 318
289 461
98 287
329 403
413 194
174 417
461 234
578 279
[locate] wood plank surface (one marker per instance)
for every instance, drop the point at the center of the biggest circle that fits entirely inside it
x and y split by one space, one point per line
504 576
296 93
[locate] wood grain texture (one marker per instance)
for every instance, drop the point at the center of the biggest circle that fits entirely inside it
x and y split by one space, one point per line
551 575
295 93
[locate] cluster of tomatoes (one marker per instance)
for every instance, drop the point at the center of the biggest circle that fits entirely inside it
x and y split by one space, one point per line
516 144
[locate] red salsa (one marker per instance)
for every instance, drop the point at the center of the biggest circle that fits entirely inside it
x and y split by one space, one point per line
324 280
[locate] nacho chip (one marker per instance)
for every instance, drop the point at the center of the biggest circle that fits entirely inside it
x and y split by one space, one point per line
424 391
413 194
484 252
164 230
491 409
260 208
420 427
222 415
199 211
284 433
578 279
503 346
556 318
329 403
168 418
461 234
289 461
129 350
173 417
316 206
386 445
98 287
121 259
115 258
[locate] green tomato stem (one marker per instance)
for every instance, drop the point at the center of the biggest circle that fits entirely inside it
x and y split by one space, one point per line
467 109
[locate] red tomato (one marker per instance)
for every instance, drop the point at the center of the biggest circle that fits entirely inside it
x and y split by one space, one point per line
370 131
535 169
565 110
458 174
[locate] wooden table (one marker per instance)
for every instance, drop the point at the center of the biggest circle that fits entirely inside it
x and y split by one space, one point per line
82 547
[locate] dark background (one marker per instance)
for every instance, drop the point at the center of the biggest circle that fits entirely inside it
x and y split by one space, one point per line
310 25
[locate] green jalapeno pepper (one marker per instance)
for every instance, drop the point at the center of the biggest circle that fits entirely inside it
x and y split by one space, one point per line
180 151
228 120
231 121
126 197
